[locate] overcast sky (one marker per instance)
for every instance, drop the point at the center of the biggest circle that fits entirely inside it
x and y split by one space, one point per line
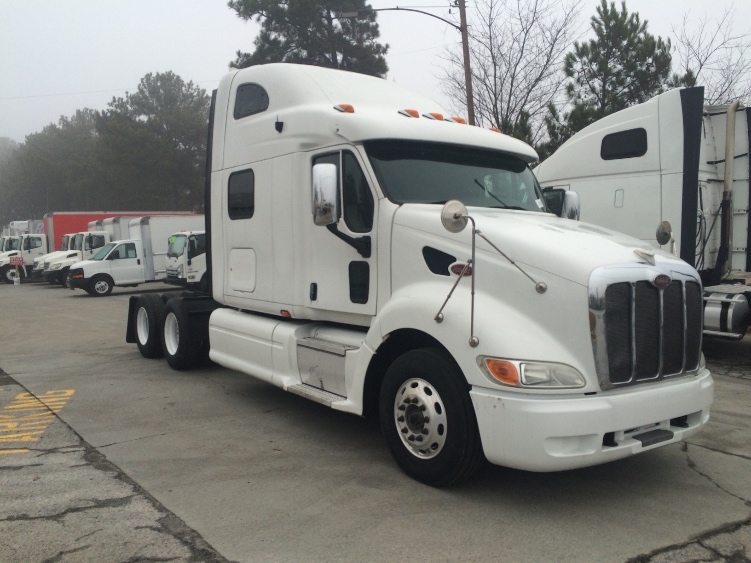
57 56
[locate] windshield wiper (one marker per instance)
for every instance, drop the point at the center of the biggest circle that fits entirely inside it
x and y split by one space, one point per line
483 188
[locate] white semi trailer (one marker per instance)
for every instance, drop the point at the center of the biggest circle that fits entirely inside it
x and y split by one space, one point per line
371 254
673 172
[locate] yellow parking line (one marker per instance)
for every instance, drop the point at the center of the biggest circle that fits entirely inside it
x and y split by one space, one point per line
23 451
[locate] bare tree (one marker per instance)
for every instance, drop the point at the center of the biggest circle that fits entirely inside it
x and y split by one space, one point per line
517 49
719 58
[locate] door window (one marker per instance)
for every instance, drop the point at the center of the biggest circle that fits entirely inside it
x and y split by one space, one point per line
355 195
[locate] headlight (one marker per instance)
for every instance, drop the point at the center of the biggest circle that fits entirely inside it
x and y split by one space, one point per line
180 271
551 375
56 266
530 375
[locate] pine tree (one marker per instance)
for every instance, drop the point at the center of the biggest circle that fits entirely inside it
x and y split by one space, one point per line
623 65
306 32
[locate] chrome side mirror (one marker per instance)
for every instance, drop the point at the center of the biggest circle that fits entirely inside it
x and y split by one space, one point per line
571 205
325 196
562 202
454 216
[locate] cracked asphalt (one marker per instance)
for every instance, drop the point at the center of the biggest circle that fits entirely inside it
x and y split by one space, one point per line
108 457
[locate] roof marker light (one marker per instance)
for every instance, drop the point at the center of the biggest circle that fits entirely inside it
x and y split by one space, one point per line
345 108
434 116
495 129
409 112
456 119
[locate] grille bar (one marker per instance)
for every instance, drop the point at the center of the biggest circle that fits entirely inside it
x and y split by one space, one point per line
643 333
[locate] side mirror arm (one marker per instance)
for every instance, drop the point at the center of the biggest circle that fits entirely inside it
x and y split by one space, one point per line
361 244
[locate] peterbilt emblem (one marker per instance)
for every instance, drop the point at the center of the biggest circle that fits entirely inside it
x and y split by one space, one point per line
662 281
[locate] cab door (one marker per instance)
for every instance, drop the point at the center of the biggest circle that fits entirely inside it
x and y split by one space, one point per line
342 262
126 264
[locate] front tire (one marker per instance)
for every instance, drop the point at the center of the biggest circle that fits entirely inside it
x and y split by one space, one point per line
428 419
64 278
100 286
9 274
149 320
181 350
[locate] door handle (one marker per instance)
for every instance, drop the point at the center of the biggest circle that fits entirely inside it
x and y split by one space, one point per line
138 261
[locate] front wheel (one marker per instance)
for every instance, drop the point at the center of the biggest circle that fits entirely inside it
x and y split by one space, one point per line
64 278
178 342
149 313
9 274
428 419
100 286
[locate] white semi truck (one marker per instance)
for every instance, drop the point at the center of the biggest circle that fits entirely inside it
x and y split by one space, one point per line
371 254
140 258
673 172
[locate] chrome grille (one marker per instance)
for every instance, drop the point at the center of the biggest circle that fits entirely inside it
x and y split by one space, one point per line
640 332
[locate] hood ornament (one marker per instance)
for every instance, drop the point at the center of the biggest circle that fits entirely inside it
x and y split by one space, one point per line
647 254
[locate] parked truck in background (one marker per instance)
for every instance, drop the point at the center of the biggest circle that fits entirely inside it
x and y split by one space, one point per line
373 255
85 245
186 260
94 231
20 262
140 258
66 245
673 172
8 243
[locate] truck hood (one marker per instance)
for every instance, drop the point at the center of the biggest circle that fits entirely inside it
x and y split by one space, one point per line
6 255
53 256
562 247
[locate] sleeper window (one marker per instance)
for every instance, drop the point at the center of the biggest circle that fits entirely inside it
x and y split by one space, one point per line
241 197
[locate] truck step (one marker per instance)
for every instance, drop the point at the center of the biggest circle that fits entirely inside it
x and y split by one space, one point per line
325 346
314 394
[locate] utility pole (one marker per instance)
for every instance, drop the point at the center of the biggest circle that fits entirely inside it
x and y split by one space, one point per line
467 71
462 28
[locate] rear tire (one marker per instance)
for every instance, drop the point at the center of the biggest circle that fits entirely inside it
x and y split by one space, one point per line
149 320
428 419
100 285
181 347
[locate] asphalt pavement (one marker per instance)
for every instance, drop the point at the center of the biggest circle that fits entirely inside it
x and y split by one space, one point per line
108 457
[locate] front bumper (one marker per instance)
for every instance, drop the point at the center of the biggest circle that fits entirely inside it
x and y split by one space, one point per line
79 283
554 432
50 275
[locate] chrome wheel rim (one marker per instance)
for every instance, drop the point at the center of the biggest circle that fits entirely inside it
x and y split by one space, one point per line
101 286
171 334
420 418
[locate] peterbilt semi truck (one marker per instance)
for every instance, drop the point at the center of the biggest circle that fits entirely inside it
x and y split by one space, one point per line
674 173
371 253
140 258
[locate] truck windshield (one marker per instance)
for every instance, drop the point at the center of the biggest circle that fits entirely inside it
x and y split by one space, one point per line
12 244
78 242
176 245
64 243
419 172
105 250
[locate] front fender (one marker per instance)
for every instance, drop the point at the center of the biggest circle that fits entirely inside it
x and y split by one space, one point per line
552 327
